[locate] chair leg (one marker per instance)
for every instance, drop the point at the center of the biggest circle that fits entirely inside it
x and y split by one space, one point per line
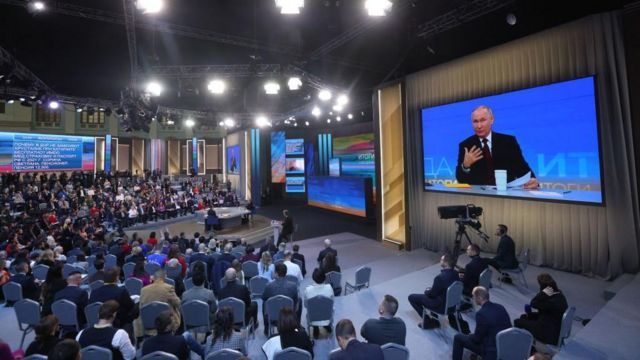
524 280
24 335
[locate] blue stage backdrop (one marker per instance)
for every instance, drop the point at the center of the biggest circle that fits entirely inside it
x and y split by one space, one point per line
346 194
233 159
555 125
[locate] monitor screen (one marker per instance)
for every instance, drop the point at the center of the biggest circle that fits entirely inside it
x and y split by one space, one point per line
545 139
233 159
346 194
334 167
295 146
295 165
295 184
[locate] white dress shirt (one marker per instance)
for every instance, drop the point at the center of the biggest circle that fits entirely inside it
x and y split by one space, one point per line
294 269
120 341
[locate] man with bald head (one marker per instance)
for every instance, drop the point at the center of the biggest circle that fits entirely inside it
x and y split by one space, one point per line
485 151
240 292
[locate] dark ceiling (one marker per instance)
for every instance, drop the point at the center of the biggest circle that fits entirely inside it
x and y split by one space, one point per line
86 57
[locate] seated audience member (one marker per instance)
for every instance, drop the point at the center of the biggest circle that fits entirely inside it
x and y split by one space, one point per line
159 290
174 253
318 289
81 261
387 328
327 249
47 336
226 255
165 340
551 304
199 292
46 258
434 298
329 264
30 290
127 310
280 286
292 268
351 348
136 255
240 292
99 274
265 266
53 283
237 266
105 335
5 276
73 293
491 318
290 334
506 253
152 240
140 273
471 274
249 255
157 256
297 256
280 254
268 247
68 349
202 255
224 336
5 351
212 222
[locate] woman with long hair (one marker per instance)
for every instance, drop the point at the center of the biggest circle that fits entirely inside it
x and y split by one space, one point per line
53 283
265 266
140 273
46 336
47 258
174 253
224 335
290 334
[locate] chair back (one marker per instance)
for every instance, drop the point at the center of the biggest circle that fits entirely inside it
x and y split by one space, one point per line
92 312
128 269
393 351
524 259
96 284
12 291
68 268
66 312
250 269
188 283
40 272
274 304
110 261
225 354
193 314
319 308
363 276
206 269
35 356
71 259
237 306
159 355
485 278
27 312
292 278
238 254
150 312
335 279
133 286
151 268
567 323
174 272
514 344
257 285
96 353
170 281
454 296
292 353
91 260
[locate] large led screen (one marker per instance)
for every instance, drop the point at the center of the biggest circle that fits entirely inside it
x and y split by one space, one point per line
334 167
295 146
295 165
233 159
295 184
546 138
357 156
346 194
21 152
277 157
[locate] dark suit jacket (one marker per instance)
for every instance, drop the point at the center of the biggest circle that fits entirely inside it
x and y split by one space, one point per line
324 253
281 287
506 253
357 350
549 316
77 296
270 247
472 272
440 285
296 338
172 344
30 290
384 330
238 291
506 155
128 309
209 260
287 226
490 320
300 257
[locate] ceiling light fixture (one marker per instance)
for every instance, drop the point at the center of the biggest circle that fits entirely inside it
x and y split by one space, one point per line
378 7
294 83
54 104
290 7
154 88
337 108
342 100
37 6
271 88
350 116
229 122
325 95
189 123
217 86
262 121
150 6
316 111
306 123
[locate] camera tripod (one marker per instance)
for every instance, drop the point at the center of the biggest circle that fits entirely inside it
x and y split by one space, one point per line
457 243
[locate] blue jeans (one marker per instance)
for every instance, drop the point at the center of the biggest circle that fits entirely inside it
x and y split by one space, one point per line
193 344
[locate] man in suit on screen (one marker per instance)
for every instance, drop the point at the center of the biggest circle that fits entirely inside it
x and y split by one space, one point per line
485 151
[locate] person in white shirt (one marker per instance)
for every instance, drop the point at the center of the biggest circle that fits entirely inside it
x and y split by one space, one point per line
133 215
318 290
103 333
292 268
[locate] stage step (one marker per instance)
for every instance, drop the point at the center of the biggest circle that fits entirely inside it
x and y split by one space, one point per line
617 285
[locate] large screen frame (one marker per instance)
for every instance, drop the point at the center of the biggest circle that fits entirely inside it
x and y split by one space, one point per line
228 161
599 138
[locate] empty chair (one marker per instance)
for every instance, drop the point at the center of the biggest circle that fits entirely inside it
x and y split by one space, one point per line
188 284
363 278
35 357
66 312
523 262
96 284
514 344
273 305
335 279
96 353
250 269
319 308
110 261
151 268
150 312
28 316
159 355
257 285
485 278
238 308
292 353
195 315
40 272
292 278
174 272
92 312
12 292
565 328
225 354
393 351
452 303
133 285
128 269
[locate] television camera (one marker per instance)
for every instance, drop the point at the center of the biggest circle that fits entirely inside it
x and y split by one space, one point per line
465 216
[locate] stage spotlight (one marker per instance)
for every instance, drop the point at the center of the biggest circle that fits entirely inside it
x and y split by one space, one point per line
324 95
154 88
229 122
350 116
271 88
221 123
378 7
306 123
170 122
337 108
54 104
290 7
262 121
342 100
295 124
150 6
294 83
189 123
37 6
78 108
328 121
217 86
511 19
316 111
338 118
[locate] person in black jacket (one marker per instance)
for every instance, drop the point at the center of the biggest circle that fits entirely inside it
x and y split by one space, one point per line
165 340
471 275
73 293
30 290
240 292
53 283
327 249
551 304
434 298
351 348
485 151
287 227
297 256
388 328
280 286
128 310
46 336
291 333
506 254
